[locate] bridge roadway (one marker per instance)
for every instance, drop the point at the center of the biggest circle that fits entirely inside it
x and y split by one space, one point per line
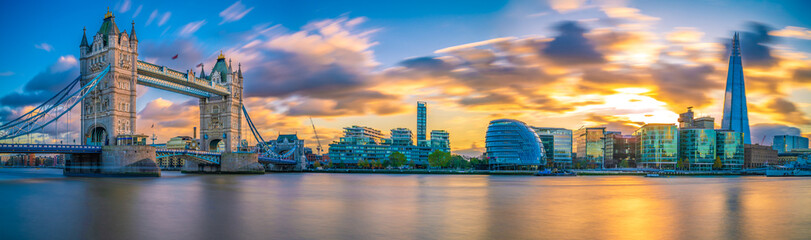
203 156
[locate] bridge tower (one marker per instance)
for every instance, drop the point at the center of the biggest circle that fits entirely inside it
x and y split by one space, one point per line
109 110
221 116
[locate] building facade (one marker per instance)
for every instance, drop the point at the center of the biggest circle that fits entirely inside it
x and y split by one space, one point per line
402 137
736 116
729 149
511 143
561 153
624 151
786 143
697 148
440 140
658 146
757 156
589 149
422 127
365 144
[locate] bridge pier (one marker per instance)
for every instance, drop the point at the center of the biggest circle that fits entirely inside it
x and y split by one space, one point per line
114 161
230 163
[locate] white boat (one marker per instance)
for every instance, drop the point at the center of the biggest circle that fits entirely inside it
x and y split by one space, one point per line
799 168
653 175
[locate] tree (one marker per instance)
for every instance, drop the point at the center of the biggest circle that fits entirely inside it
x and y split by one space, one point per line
397 159
317 164
362 163
458 161
435 158
624 163
680 164
717 165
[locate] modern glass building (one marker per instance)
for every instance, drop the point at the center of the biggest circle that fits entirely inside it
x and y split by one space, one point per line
590 146
729 149
361 143
736 116
697 146
561 140
511 143
440 140
658 146
785 143
422 113
624 151
401 137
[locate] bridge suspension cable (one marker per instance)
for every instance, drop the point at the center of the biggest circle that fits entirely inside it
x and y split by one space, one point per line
262 147
57 106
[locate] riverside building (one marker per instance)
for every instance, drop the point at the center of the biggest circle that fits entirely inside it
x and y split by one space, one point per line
558 145
658 146
590 147
786 143
440 140
511 144
361 143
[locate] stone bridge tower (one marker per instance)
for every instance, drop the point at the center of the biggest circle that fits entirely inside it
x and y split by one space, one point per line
221 116
109 110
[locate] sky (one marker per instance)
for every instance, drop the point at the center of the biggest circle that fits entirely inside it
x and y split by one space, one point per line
619 64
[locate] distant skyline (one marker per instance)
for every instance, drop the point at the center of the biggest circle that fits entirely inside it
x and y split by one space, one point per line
547 63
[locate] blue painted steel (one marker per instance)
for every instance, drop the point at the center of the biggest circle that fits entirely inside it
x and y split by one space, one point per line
48 148
266 155
736 116
167 75
61 94
172 87
276 161
30 122
203 156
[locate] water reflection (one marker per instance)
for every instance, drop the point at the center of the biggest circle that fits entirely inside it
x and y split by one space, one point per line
41 204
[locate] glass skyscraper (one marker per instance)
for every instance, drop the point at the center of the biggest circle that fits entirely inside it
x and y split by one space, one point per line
785 143
561 140
440 140
512 143
421 124
736 117
658 146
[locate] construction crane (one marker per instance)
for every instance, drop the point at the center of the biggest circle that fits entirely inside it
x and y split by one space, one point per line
316 137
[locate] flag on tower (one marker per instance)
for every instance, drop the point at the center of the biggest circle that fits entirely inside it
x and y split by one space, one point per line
200 65
175 57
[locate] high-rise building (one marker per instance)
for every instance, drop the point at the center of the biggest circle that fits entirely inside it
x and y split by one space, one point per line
511 143
658 146
609 161
704 122
440 140
561 140
729 149
422 116
687 120
697 147
590 146
785 143
736 117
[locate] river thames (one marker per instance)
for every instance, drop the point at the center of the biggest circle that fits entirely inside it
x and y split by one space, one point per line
42 204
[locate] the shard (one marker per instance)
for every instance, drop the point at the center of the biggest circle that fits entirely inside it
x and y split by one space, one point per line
736 117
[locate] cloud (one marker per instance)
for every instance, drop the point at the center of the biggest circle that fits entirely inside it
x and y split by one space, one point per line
763 133
783 110
627 13
124 6
234 12
754 46
792 32
6 73
170 119
45 84
137 11
44 46
191 27
802 75
685 35
475 44
563 6
686 85
161 53
161 18
571 47
613 123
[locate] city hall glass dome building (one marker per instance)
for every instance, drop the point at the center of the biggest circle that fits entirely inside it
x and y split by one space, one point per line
512 143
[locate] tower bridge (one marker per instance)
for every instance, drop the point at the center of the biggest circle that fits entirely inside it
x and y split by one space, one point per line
109 72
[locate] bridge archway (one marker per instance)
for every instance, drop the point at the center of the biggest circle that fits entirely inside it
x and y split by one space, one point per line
216 145
98 136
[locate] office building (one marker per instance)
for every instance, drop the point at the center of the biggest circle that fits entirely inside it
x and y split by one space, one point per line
589 147
561 145
624 151
697 147
786 143
361 143
658 146
729 149
511 144
736 116
757 156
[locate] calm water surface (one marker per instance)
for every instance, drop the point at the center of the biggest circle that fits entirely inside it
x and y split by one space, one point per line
42 204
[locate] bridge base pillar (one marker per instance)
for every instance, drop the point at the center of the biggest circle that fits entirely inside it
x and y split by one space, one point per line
115 161
230 163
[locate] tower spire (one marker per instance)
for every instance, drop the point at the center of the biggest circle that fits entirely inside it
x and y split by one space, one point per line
736 115
239 71
132 36
84 37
